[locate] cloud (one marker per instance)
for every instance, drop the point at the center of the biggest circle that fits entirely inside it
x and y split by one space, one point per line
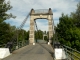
22 7
42 24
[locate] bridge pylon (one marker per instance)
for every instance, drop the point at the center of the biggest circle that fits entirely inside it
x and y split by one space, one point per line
40 14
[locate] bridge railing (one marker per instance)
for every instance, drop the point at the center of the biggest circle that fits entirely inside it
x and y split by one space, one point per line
72 54
16 45
20 44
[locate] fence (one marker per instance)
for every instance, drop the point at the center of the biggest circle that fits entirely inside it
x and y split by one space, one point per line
17 45
72 54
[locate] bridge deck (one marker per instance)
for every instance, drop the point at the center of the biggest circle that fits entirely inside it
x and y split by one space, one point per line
30 52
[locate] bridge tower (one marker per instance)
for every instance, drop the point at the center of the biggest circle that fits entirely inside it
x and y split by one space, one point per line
40 14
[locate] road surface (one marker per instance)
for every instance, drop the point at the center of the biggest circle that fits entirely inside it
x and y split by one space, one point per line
32 52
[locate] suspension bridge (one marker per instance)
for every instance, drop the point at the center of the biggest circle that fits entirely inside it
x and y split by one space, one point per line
41 50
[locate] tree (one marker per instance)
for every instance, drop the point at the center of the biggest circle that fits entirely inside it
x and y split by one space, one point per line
4 7
5 34
76 16
39 34
64 26
68 29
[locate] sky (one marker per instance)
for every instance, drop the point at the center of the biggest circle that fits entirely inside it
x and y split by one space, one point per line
21 8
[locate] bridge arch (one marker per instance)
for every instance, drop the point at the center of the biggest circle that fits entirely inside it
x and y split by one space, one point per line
40 14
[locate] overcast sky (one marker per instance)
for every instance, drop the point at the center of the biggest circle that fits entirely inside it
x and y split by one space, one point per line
22 7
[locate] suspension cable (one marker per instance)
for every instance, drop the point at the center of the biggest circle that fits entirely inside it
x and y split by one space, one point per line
24 21
13 39
37 27
21 26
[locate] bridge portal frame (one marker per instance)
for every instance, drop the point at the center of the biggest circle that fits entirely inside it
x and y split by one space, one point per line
33 17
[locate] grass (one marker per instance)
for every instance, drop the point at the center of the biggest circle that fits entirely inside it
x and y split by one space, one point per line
77 54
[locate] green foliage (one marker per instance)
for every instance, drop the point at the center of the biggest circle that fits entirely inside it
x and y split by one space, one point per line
5 29
4 7
39 34
23 35
68 29
76 16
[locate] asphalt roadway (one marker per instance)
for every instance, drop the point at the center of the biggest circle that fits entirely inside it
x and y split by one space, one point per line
32 52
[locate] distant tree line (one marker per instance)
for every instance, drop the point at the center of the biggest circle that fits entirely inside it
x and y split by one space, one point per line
39 35
68 29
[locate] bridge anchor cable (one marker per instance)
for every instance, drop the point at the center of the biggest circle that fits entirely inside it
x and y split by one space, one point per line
13 39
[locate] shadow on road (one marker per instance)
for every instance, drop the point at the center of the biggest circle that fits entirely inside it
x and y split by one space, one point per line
51 52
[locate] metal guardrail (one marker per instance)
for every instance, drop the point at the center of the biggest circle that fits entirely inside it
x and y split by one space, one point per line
16 46
72 54
20 45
